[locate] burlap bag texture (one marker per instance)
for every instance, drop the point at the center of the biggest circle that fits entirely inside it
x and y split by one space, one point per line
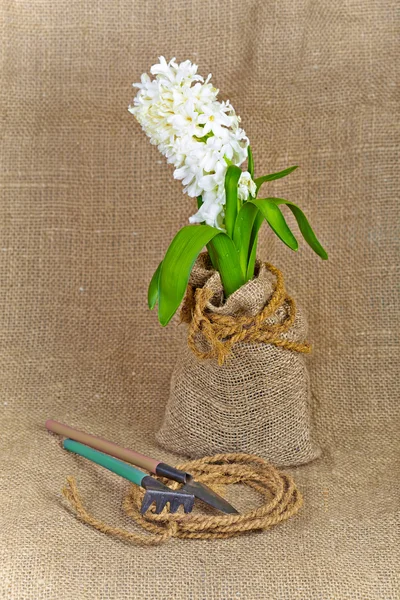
258 401
88 208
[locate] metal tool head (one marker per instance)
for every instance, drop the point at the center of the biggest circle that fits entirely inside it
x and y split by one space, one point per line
160 494
199 490
207 495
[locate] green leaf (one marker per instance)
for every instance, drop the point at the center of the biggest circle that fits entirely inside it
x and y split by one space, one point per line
252 260
260 180
210 248
276 221
304 226
177 265
180 258
212 254
242 233
152 294
258 221
232 176
250 162
228 265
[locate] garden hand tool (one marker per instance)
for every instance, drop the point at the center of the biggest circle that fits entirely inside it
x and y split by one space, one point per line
197 489
155 490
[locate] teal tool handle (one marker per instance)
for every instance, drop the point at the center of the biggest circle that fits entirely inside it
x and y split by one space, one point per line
110 463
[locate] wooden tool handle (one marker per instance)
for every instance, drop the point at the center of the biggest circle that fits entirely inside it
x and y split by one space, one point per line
135 458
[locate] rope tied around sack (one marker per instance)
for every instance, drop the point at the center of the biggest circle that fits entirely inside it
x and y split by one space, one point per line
221 331
281 500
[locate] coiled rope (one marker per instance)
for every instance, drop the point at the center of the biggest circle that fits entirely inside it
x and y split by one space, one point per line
281 500
221 332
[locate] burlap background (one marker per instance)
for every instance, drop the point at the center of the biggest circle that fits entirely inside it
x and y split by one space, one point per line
88 208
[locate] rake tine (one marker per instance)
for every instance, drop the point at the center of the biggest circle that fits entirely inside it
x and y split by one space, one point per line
161 501
175 503
188 504
186 501
147 502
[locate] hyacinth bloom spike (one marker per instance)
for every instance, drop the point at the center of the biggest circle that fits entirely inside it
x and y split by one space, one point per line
199 135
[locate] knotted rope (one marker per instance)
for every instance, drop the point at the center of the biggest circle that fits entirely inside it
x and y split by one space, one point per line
221 332
281 500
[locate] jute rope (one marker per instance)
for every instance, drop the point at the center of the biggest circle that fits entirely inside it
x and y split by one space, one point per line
222 332
281 500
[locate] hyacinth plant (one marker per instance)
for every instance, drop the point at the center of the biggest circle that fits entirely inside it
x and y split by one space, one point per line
202 138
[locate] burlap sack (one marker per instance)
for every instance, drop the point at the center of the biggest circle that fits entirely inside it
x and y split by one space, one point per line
257 401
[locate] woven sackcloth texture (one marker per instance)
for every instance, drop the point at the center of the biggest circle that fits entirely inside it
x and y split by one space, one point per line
88 207
258 401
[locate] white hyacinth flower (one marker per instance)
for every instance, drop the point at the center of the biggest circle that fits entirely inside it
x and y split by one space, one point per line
199 135
247 187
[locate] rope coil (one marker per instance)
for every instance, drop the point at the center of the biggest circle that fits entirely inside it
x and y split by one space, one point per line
221 332
281 500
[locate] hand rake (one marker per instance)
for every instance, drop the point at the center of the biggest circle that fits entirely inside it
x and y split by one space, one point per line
155 490
190 486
